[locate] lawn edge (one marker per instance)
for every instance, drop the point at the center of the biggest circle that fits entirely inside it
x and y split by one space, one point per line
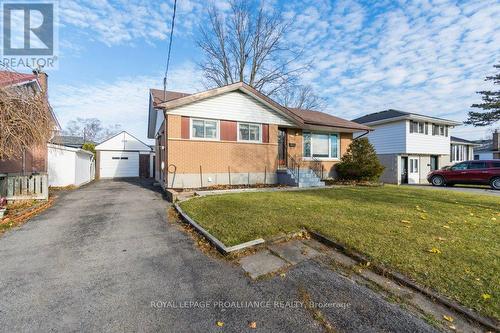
225 250
487 322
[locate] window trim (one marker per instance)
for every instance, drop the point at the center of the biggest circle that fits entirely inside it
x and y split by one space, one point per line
217 131
238 139
420 125
329 158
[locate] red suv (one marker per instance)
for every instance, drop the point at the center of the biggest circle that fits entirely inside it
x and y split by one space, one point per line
468 172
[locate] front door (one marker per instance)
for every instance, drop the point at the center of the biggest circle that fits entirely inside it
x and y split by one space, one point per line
282 152
434 163
404 170
413 174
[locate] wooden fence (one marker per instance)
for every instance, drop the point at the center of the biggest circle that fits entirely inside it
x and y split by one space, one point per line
34 186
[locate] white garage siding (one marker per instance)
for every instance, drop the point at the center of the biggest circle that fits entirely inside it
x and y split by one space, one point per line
118 164
69 166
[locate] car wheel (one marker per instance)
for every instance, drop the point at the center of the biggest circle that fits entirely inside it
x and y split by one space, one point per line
495 183
437 181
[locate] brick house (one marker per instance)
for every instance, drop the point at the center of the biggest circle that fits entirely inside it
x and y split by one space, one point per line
236 135
33 160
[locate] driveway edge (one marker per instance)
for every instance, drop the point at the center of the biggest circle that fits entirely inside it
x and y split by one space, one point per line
225 250
400 278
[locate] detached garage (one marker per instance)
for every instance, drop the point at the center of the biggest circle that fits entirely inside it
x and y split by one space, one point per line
123 156
69 166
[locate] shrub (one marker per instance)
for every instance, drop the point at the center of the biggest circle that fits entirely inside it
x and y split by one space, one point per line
360 162
89 146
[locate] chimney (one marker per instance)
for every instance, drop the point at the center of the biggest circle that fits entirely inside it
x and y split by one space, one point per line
496 142
42 79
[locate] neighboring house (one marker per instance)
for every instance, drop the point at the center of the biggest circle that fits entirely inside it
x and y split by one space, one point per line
70 141
32 160
409 145
123 156
461 149
236 135
69 166
488 149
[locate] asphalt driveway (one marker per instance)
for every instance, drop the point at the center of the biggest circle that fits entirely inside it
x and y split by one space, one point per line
104 258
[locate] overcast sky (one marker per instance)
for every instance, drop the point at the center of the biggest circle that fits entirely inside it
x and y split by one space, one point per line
428 57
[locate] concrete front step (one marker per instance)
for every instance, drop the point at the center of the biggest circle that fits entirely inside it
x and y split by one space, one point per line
306 178
316 184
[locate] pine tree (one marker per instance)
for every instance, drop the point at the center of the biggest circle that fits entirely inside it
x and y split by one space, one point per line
360 162
490 105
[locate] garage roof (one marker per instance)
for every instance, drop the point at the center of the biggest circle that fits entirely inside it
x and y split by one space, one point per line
123 141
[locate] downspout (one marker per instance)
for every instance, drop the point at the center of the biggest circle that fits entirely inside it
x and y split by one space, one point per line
362 135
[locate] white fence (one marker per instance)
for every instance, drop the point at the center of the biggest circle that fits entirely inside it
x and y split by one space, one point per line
35 186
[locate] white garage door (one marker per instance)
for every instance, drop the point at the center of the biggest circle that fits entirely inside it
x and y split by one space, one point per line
115 164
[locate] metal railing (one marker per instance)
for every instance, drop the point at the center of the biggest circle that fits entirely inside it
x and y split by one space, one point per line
317 167
292 164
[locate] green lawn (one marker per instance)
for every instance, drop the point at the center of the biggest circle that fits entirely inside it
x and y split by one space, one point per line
446 240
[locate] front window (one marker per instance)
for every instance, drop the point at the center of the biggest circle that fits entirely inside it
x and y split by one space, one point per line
321 145
204 129
249 132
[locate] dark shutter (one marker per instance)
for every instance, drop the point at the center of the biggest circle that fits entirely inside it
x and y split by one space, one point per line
228 130
265 133
185 127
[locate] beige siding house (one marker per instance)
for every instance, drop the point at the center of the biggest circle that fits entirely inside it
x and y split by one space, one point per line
236 135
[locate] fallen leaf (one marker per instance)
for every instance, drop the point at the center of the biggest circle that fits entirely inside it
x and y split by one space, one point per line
435 250
486 296
219 323
441 239
423 217
282 275
471 214
452 327
252 324
446 226
405 221
448 318
493 218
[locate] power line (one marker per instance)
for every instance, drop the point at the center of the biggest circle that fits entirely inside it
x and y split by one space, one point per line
169 50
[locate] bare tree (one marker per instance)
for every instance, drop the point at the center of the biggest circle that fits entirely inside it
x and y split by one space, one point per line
301 97
91 129
250 46
25 121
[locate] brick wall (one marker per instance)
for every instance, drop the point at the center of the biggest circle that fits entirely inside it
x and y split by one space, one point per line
217 156
295 136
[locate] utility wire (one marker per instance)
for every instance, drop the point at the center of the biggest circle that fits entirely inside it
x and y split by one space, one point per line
169 50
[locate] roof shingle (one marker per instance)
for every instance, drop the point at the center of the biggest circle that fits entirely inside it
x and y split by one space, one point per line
8 78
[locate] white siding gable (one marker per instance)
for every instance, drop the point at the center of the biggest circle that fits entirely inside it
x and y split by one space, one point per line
123 141
234 105
395 138
388 138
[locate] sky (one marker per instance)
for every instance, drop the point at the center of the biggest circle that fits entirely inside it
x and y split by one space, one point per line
428 57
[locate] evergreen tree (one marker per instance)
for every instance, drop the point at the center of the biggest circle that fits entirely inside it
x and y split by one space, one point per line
490 105
360 162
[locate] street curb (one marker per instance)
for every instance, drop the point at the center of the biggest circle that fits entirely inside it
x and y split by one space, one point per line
469 314
225 250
